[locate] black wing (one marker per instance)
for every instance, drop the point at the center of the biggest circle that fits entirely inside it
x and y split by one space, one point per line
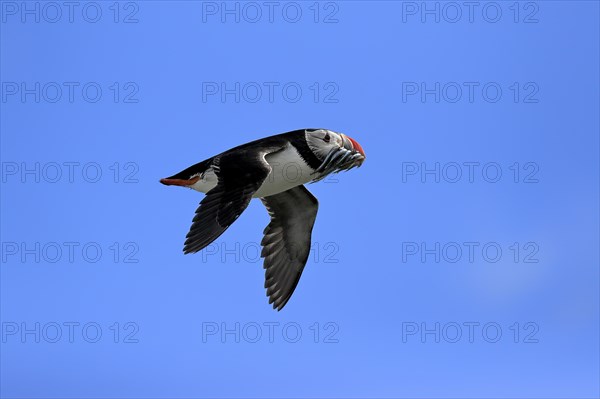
239 176
286 244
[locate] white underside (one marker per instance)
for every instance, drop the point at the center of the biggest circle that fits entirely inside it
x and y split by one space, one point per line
288 170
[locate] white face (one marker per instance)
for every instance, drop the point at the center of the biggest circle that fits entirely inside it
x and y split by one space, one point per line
322 141
336 151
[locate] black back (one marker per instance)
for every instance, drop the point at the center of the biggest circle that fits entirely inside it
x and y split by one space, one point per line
295 137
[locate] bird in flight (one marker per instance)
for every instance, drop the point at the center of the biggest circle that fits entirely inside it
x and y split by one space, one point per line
275 170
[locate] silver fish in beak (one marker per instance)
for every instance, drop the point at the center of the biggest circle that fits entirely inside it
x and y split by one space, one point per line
350 155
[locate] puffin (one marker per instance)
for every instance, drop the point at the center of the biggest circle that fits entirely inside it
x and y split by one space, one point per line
274 169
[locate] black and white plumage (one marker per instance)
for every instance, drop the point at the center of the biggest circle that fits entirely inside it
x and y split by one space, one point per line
261 169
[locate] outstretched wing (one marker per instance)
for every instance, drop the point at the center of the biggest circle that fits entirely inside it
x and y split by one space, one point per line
239 176
286 244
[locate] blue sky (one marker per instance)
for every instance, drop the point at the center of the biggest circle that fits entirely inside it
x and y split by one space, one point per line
461 260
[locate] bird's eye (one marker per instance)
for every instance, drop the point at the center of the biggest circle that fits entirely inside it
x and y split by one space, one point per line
327 138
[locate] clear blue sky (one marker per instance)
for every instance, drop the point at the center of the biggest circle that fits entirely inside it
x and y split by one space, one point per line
461 260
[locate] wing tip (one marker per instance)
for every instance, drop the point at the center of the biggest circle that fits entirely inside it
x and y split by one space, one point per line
278 300
281 304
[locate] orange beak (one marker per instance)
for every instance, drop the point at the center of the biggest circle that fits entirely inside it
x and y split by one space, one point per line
180 182
356 146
